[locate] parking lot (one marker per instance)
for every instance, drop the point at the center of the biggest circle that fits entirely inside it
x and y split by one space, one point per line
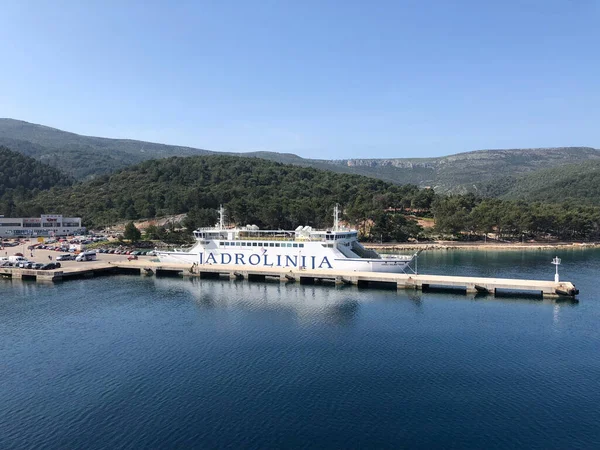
45 256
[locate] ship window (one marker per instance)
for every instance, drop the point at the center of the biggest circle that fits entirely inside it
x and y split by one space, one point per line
254 244
221 243
276 244
295 245
301 245
238 244
271 244
289 245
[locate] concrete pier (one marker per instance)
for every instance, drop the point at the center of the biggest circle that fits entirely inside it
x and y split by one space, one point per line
470 285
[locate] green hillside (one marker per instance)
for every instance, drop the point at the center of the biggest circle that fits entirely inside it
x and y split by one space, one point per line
84 157
576 183
22 177
274 196
254 191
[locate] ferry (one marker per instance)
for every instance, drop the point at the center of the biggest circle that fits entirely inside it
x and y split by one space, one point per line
303 248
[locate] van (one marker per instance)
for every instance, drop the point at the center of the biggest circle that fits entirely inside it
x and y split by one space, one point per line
86 256
17 259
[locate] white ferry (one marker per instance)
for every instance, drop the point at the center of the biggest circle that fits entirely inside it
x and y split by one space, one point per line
303 248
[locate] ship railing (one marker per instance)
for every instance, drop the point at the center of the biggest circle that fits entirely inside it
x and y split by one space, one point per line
276 238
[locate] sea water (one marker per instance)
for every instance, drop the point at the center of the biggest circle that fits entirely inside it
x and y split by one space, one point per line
146 362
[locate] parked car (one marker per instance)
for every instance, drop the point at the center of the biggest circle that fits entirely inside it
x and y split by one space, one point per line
37 266
50 266
26 264
65 257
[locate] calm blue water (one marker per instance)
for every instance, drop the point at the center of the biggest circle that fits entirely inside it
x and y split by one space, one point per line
131 362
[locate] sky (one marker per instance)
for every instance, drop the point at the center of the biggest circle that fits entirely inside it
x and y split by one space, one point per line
321 79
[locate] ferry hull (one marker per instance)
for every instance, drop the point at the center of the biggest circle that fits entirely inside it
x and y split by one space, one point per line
305 262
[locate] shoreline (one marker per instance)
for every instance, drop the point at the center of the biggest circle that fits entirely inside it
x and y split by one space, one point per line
498 246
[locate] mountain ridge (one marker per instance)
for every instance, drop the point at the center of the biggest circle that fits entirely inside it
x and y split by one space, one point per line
88 156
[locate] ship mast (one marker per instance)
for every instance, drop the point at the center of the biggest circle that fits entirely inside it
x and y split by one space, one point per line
221 217
336 217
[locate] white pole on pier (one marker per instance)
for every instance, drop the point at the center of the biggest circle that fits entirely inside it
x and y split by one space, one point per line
416 256
556 262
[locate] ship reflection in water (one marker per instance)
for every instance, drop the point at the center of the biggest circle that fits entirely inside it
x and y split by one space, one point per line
306 303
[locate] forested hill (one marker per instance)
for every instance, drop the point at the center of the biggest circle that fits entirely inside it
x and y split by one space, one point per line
85 157
82 156
253 190
575 183
273 196
22 177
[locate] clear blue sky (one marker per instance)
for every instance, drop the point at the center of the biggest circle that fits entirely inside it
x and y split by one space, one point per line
322 79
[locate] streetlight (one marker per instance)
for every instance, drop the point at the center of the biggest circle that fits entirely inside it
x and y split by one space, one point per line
556 262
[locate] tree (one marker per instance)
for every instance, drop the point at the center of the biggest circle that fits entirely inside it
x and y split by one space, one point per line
152 232
394 227
200 217
132 233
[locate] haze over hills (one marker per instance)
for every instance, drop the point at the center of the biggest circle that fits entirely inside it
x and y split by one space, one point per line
86 157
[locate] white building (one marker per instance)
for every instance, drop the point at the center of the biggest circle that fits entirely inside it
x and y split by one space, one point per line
46 225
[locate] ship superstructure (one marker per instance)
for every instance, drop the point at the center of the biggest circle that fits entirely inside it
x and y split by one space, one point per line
302 248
